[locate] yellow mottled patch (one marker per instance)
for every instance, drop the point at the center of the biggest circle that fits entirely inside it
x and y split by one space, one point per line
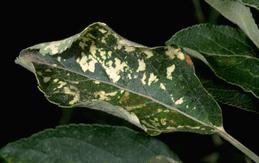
59 58
169 71
54 47
74 82
119 46
103 54
55 80
102 30
152 79
179 101
61 84
96 82
46 79
130 108
102 95
109 53
180 56
129 76
141 65
124 97
73 91
129 49
109 63
170 52
93 49
114 72
162 86
143 79
163 121
87 63
149 53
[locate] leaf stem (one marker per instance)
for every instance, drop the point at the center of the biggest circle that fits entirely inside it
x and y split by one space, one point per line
198 11
238 145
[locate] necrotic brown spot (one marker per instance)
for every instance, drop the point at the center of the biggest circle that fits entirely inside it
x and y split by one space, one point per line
188 59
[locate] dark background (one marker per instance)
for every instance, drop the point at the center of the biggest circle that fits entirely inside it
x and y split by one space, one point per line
24 109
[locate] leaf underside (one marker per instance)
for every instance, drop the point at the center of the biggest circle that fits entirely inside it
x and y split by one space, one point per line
227 52
230 95
154 88
87 144
239 14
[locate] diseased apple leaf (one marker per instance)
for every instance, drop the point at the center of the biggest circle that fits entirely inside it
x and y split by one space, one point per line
86 144
154 88
239 14
227 52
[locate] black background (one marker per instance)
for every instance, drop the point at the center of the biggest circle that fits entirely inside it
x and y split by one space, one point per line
24 109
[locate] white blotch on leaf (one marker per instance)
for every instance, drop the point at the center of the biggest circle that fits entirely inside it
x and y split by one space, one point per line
169 71
152 79
162 86
109 53
93 49
114 72
141 65
129 49
149 53
102 54
129 76
73 91
87 63
143 79
55 80
102 30
59 58
170 52
96 82
53 46
102 95
46 79
180 56
179 101
61 84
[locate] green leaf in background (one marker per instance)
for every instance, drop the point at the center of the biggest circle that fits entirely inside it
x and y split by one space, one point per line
87 144
238 14
251 3
230 95
226 50
154 88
